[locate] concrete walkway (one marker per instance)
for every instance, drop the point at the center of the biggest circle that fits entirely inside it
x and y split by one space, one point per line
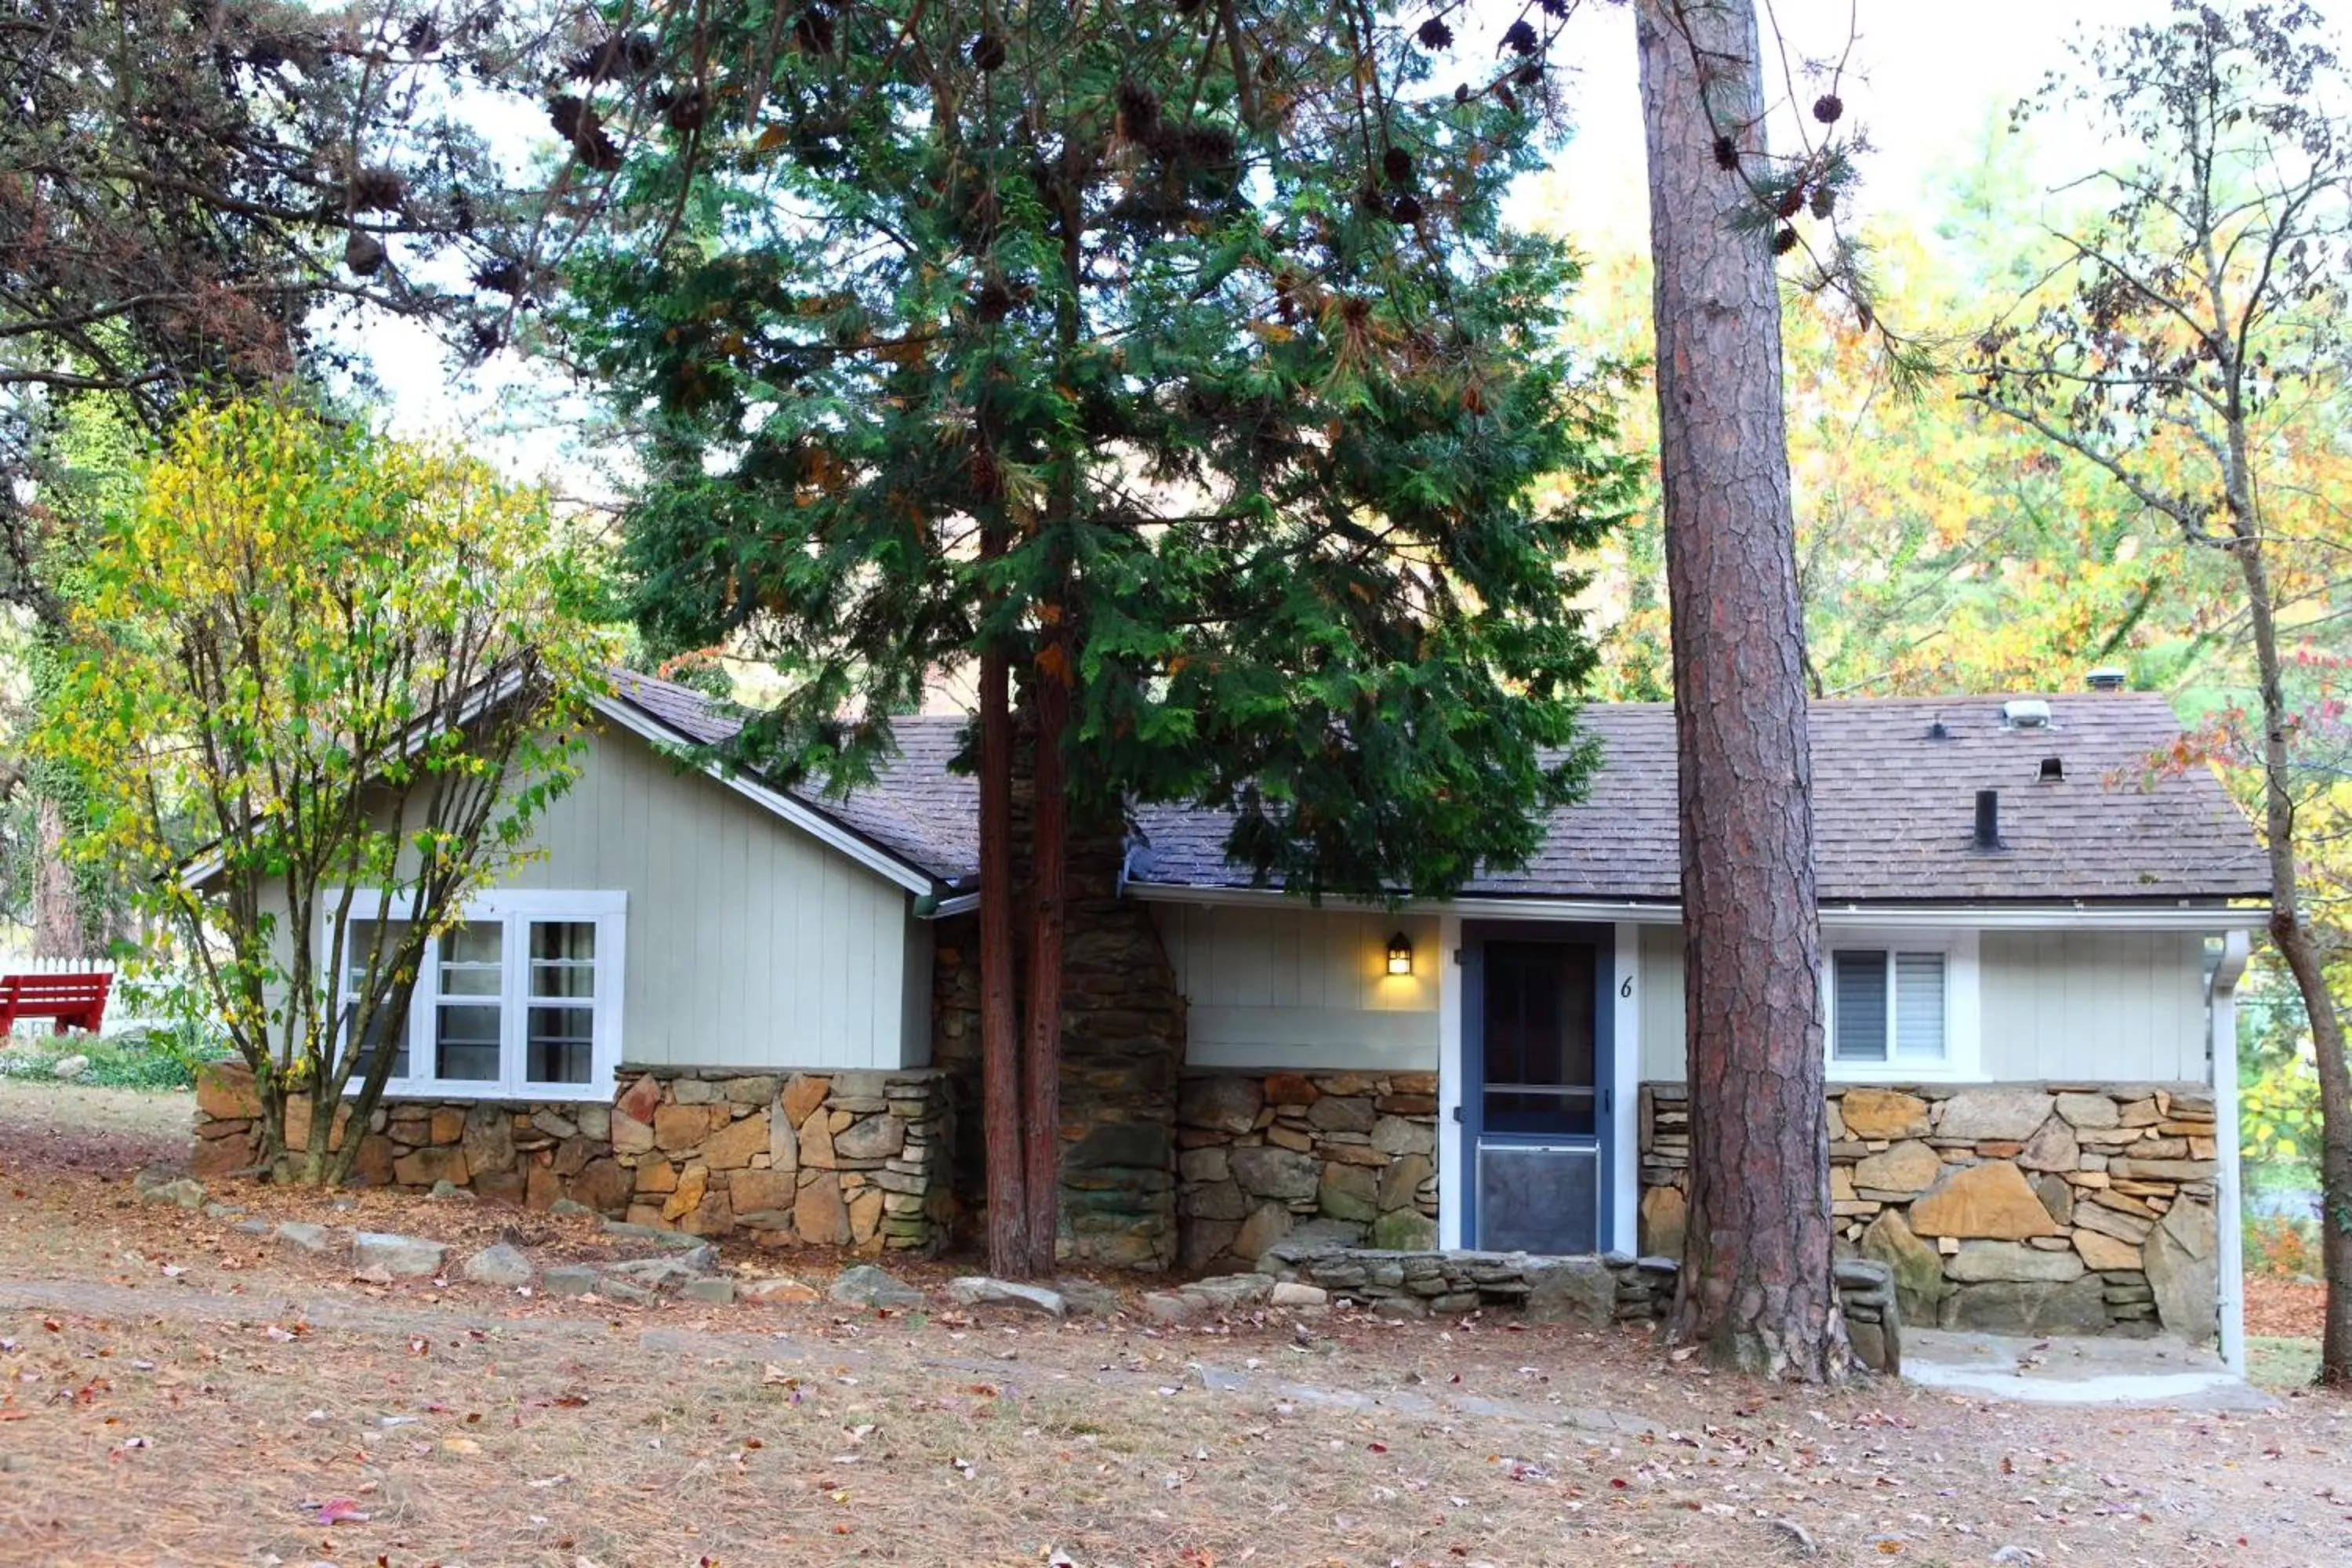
2057 1371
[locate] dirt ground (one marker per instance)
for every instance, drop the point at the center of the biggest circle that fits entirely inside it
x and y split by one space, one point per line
172 1391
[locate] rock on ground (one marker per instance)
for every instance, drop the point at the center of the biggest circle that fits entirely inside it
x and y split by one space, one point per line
396 1257
712 1292
500 1265
980 1290
295 1236
779 1289
186 1191
867 1286
657 1273
569 1279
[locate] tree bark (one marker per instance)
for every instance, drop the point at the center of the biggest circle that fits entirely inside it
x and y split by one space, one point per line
999 1032
2300 945
1040 1065
58 929
1755 1286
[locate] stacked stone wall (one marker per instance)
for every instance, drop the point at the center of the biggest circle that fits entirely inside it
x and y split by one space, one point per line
2042 1208
1350 1155
844 1159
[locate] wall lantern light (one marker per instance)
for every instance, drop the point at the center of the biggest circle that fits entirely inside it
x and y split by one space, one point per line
1400 954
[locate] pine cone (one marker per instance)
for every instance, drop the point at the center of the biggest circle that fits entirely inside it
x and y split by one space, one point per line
1434 33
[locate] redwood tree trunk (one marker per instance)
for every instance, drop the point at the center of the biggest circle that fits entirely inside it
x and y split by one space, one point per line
999 1034
56 900
1755 1285
1040 1063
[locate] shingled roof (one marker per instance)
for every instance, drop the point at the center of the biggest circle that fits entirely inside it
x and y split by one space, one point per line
1893 807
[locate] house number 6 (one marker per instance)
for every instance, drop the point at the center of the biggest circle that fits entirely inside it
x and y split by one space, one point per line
1626 989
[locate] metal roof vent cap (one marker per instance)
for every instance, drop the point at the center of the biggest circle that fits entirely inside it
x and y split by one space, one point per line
2025 713
2106 678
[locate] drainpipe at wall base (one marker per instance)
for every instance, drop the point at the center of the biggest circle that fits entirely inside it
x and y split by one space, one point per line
2221 1019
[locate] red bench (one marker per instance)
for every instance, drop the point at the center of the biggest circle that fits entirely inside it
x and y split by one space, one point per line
75 1000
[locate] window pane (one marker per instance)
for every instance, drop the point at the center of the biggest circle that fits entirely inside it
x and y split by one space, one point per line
562 1043
572 940
359 938
467 1042
564 958
475 942
1919 1006
1858 976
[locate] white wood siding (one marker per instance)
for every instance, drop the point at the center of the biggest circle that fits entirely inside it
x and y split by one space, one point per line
1659 981
750 943
1301 987
2095 1006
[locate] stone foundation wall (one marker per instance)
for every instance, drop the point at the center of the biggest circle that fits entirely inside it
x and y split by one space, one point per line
842 1159
2039 1208
1350 1157
1593 1290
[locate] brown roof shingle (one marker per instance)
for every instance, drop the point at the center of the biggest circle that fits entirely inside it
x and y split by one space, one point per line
1893 816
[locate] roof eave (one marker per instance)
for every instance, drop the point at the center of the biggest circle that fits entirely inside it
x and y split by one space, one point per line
2010 914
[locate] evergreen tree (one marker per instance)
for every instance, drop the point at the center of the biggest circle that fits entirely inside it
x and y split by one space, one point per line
1178 360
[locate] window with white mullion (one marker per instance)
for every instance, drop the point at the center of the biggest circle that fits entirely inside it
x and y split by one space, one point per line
1918 1012
470 1011
521 999
1887 1006
559 1011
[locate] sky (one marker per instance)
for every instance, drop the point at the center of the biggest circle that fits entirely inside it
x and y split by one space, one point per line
1922 78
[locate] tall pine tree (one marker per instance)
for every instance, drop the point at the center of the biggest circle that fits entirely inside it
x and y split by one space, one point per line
1173 364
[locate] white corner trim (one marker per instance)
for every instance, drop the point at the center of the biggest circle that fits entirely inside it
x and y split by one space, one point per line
2221 1019
1626 1086
815 823
1454 1164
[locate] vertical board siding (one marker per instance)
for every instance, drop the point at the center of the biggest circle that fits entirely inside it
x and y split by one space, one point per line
2099 1006
1300 987
1660 985
2104 1006
750 943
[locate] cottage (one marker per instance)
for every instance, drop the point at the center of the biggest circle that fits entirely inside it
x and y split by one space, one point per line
737 1009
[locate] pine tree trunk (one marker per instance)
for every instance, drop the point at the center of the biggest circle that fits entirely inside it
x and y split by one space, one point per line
1041 1064
1000 1023
1755 1285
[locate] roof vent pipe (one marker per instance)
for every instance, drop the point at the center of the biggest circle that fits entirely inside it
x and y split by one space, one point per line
2106 678
1987 819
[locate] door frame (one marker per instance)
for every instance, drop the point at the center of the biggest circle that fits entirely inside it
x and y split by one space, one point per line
1611 968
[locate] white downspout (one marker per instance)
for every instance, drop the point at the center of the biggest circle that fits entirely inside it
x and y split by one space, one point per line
2222 1014
1454 1172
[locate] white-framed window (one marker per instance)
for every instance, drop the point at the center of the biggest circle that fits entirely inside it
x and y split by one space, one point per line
520 1000
1900 1005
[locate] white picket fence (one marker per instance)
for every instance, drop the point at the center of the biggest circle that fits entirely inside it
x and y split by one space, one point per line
128 1005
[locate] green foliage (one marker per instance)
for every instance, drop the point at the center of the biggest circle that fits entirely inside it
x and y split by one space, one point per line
156 1060
1181 355
202 194
2278 1115
324 664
